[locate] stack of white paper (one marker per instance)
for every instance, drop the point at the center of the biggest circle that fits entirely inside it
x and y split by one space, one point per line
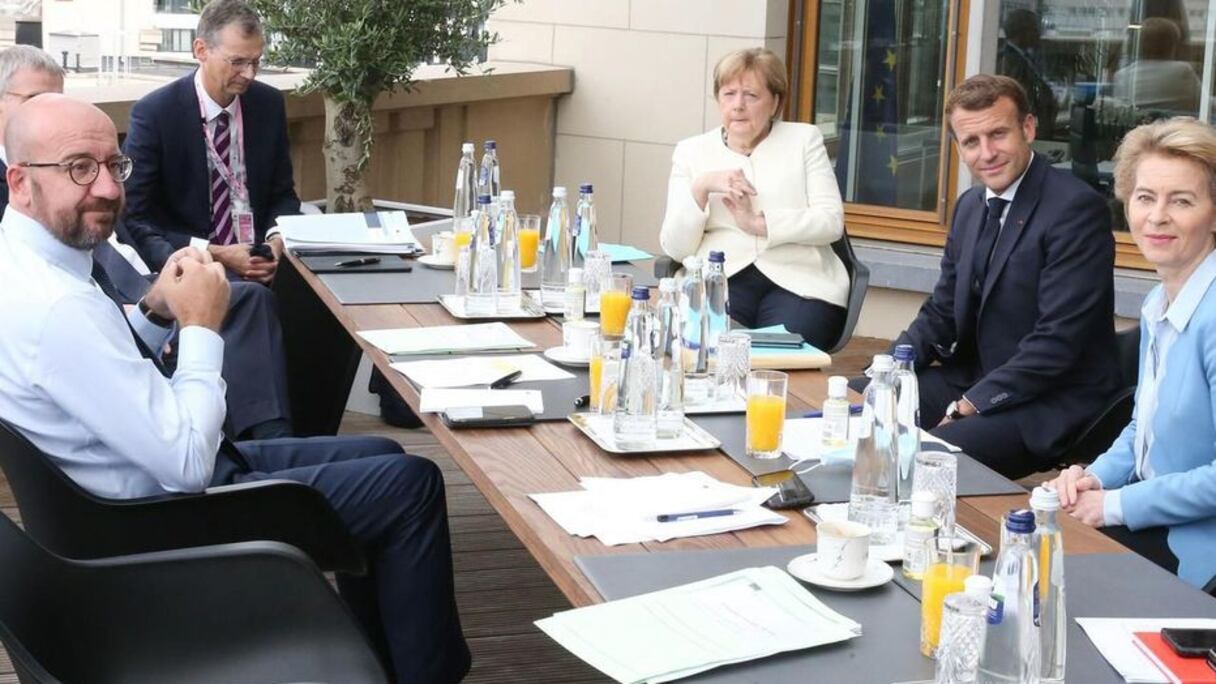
675 633
803 437
441 339
627 510
348 233
1113 637
479 370
436 400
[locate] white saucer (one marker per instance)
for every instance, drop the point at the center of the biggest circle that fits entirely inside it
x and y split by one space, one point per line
806 569
432 261
562 356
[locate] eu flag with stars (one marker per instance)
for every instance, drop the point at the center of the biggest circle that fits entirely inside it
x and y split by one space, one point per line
867 155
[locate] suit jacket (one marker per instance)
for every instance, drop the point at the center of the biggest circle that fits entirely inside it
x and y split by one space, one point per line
168 193
1040 338
1182 492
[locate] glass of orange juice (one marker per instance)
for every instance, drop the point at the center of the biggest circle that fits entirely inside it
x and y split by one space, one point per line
950 561
765 412
605 365
529 240
614 303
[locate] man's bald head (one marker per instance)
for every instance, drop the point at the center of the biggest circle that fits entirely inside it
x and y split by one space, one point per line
48 118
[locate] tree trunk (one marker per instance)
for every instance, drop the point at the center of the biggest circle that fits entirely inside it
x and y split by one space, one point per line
348 131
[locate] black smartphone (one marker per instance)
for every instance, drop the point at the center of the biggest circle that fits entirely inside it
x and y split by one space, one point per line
1212 658
262 250
1190 643
774 339
488 416
792 492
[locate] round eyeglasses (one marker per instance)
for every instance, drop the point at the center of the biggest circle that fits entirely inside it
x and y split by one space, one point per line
84 170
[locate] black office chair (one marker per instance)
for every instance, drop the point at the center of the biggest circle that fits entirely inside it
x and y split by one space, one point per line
1101 432
249 612
74 523
859 282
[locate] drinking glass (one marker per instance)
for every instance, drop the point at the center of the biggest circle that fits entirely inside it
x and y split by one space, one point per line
937 472
596 267
605 365
529 240
615 290
949 563
463 229
765 412
734 361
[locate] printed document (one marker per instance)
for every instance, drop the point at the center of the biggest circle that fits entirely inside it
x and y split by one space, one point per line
439 339
478 370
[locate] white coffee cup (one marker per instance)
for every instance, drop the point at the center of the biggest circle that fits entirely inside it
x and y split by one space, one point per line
443 246
843 549
576 337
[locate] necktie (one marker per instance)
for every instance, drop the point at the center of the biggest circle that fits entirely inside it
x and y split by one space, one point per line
103 281
985 243
221 199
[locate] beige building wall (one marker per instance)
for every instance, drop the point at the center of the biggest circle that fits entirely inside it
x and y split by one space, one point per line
642 71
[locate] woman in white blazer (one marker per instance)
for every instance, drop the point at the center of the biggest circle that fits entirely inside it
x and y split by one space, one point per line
763 192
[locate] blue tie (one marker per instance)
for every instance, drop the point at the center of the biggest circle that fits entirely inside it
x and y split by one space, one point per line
985 244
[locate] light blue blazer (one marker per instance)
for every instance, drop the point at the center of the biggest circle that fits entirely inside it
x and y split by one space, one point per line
1182 492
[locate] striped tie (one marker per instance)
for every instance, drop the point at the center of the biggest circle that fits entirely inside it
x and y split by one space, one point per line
221 201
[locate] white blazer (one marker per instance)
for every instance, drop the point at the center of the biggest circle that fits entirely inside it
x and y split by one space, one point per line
796 190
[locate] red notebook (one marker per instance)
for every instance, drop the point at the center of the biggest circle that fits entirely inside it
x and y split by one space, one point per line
1180 670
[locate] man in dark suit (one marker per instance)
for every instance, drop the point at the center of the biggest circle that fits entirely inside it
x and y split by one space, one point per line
1021 319
212 164
254 367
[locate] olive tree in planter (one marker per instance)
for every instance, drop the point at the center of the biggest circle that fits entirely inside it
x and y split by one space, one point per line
359 49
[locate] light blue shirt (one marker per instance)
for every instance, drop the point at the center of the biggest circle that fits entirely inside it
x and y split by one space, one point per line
73 381
1164 322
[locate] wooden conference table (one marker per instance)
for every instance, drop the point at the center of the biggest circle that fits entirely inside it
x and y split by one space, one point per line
507 465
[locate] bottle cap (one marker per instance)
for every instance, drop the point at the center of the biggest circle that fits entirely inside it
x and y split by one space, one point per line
905 352
924 503
716 257
667 285
490 145
1021 521
483 199
641 293
467 148
978 586
838 387
883 363
559 191
692 264
575 275
585 187
507 195
1044 499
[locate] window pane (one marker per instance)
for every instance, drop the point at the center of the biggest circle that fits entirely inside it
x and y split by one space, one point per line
1094 71
878 98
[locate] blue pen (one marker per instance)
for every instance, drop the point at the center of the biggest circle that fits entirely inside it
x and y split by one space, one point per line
854 409
695 515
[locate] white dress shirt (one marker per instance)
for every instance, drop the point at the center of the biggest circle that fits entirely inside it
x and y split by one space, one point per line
1165 321
73 381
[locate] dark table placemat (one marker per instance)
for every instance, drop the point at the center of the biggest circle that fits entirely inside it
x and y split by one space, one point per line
831 484
887 651
387 263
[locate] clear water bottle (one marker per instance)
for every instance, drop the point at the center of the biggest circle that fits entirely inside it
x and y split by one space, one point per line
489 177
671 371
1048 545
463 257
835 431
506 246
907 399
584 224
1011 645
482 299
872 500
466 185
693 324
557 258
635 421
576 296
964 622
716 304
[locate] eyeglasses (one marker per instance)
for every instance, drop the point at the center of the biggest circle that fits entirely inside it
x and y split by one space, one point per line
84 170
241 63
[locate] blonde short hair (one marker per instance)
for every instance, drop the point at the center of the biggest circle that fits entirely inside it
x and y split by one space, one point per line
767 65
1181 137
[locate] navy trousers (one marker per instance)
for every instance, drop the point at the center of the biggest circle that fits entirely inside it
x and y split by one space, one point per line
757 302
393 504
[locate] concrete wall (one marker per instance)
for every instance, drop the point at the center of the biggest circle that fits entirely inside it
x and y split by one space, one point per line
117 24
642 72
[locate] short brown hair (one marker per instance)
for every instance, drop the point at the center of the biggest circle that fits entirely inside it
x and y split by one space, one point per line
982 91
763 61
1181 137
218 14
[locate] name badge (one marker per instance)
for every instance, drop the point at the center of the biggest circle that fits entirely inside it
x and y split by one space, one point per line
242 221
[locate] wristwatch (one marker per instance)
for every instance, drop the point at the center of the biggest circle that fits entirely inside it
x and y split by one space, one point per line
953 413
153 318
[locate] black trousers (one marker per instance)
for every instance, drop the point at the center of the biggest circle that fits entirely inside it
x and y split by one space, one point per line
393 504
1151 542
757 302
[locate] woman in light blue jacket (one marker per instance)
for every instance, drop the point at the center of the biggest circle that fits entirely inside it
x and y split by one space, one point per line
1154 490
